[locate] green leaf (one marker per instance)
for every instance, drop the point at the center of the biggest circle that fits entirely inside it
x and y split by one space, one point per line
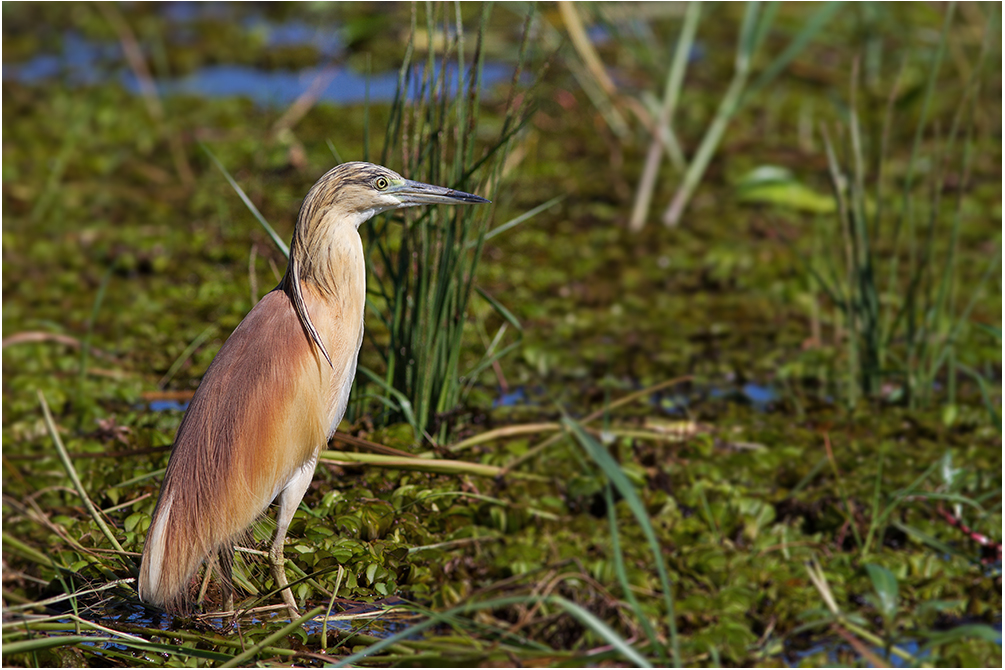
940 606
774 185
601 457
993 414
622 573
133 520
602 630
250 653
991 330
177 649
250 205
40 643
885 585
403 403
520 219
500 309
978 631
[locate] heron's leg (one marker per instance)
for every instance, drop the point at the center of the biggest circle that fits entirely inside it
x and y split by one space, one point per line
225 569
289 499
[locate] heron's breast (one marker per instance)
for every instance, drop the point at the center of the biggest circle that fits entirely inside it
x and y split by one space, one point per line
339 320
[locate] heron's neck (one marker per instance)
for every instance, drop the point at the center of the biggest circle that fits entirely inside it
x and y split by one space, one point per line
330 259
328 271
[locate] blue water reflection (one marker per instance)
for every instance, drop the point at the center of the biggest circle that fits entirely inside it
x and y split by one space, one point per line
168 406
759 396
515 397
84 62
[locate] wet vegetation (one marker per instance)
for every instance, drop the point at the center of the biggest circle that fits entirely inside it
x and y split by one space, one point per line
729 396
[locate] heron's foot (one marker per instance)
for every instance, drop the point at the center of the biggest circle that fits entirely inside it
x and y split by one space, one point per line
291 606
278 562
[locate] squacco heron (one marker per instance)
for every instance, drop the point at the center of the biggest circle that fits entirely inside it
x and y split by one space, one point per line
275 392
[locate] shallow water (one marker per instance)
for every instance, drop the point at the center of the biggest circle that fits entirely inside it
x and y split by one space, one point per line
84 62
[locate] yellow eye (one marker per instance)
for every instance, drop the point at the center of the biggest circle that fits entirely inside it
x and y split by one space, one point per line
380 183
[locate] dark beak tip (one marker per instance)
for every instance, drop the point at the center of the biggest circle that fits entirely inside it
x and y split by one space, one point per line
469 198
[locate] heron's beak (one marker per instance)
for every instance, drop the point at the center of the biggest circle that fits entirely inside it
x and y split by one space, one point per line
412 193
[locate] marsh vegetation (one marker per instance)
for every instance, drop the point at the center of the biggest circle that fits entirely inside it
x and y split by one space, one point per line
716 380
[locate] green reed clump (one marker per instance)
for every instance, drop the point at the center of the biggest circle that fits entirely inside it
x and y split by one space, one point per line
893 273
422 273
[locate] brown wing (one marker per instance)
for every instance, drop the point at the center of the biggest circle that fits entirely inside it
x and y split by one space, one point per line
258 415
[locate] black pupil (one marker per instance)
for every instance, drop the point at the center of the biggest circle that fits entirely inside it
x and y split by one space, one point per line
381 183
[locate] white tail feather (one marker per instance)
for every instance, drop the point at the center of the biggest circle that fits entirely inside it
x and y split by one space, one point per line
153 555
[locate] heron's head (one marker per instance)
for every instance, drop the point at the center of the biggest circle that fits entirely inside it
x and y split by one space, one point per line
354 192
